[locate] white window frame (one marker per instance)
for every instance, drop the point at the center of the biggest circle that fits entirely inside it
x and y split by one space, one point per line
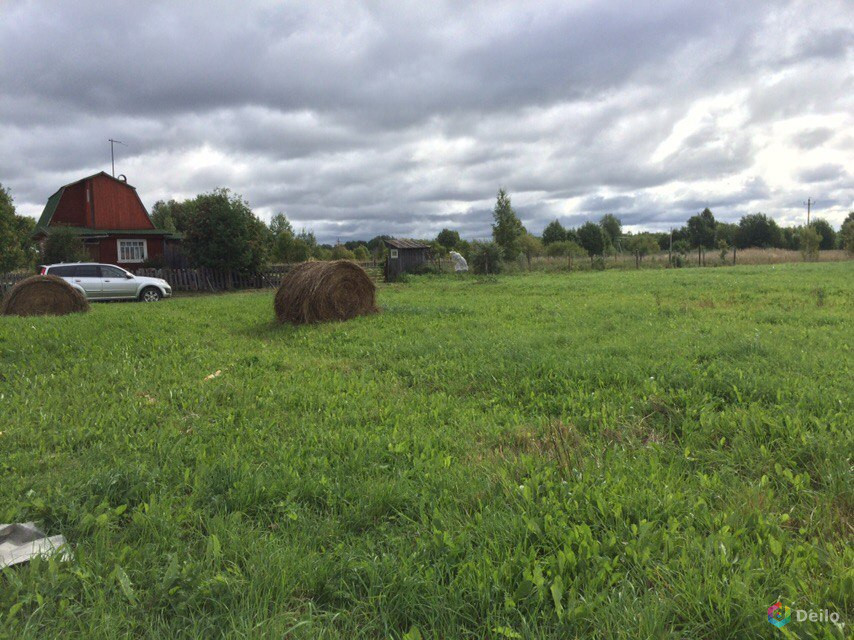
123 259
394 254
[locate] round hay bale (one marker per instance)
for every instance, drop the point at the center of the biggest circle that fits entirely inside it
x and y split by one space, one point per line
43 296
323 291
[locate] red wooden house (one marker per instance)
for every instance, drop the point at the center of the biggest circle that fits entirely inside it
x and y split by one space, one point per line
110 218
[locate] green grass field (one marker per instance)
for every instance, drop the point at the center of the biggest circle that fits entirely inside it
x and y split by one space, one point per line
652 454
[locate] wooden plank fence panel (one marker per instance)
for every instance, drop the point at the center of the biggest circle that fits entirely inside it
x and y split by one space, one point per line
203 279
9 280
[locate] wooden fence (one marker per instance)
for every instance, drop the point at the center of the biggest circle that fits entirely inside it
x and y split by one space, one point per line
8 280
210 279
218 280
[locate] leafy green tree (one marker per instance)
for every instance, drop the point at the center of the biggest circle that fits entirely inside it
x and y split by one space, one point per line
531 247
726 231
11 256
279 223
592 239
642 245
790 238
486 257
282 233
677 234
758 230
171 215
29 247
846 234
283 247
299 250
809 240
376 242
828 235
362 254
321 252
701 232
554 232
308 238
448 238
222 233
63 244
613 228
507 230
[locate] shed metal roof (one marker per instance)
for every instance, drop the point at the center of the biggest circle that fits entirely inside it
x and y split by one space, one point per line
396 243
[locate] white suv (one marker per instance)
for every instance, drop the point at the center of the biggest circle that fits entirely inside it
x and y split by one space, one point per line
108 282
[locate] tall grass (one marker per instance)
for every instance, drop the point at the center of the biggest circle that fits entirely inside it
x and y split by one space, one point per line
753 256
650 454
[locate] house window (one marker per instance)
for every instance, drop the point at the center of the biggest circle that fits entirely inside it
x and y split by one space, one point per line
132 250
394 254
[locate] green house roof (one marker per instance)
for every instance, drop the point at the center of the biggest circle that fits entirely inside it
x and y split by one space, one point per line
86 231
50 209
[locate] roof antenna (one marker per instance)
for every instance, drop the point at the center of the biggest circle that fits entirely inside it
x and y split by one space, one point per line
112 155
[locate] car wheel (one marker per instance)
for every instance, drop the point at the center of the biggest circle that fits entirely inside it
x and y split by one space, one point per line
150 294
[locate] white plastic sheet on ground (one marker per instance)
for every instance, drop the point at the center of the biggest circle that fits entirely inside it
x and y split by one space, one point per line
460 263
21 542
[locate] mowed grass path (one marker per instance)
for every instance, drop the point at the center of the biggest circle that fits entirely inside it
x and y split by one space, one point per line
653 454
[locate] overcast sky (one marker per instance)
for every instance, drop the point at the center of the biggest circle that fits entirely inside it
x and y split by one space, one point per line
357 119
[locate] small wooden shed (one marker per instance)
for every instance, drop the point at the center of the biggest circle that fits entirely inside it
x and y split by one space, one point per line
404 256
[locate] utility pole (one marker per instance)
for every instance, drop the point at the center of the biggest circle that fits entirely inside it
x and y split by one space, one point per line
809 206
112 154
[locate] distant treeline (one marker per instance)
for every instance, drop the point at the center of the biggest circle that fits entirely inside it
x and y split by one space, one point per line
279 242
220 231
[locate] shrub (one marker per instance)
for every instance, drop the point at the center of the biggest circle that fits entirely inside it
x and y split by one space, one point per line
425 268
340 252
63 244
156 262
531 247
724 249
810 240
486 258
566 249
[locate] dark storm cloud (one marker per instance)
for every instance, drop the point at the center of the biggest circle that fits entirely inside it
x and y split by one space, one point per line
822 173
383 117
